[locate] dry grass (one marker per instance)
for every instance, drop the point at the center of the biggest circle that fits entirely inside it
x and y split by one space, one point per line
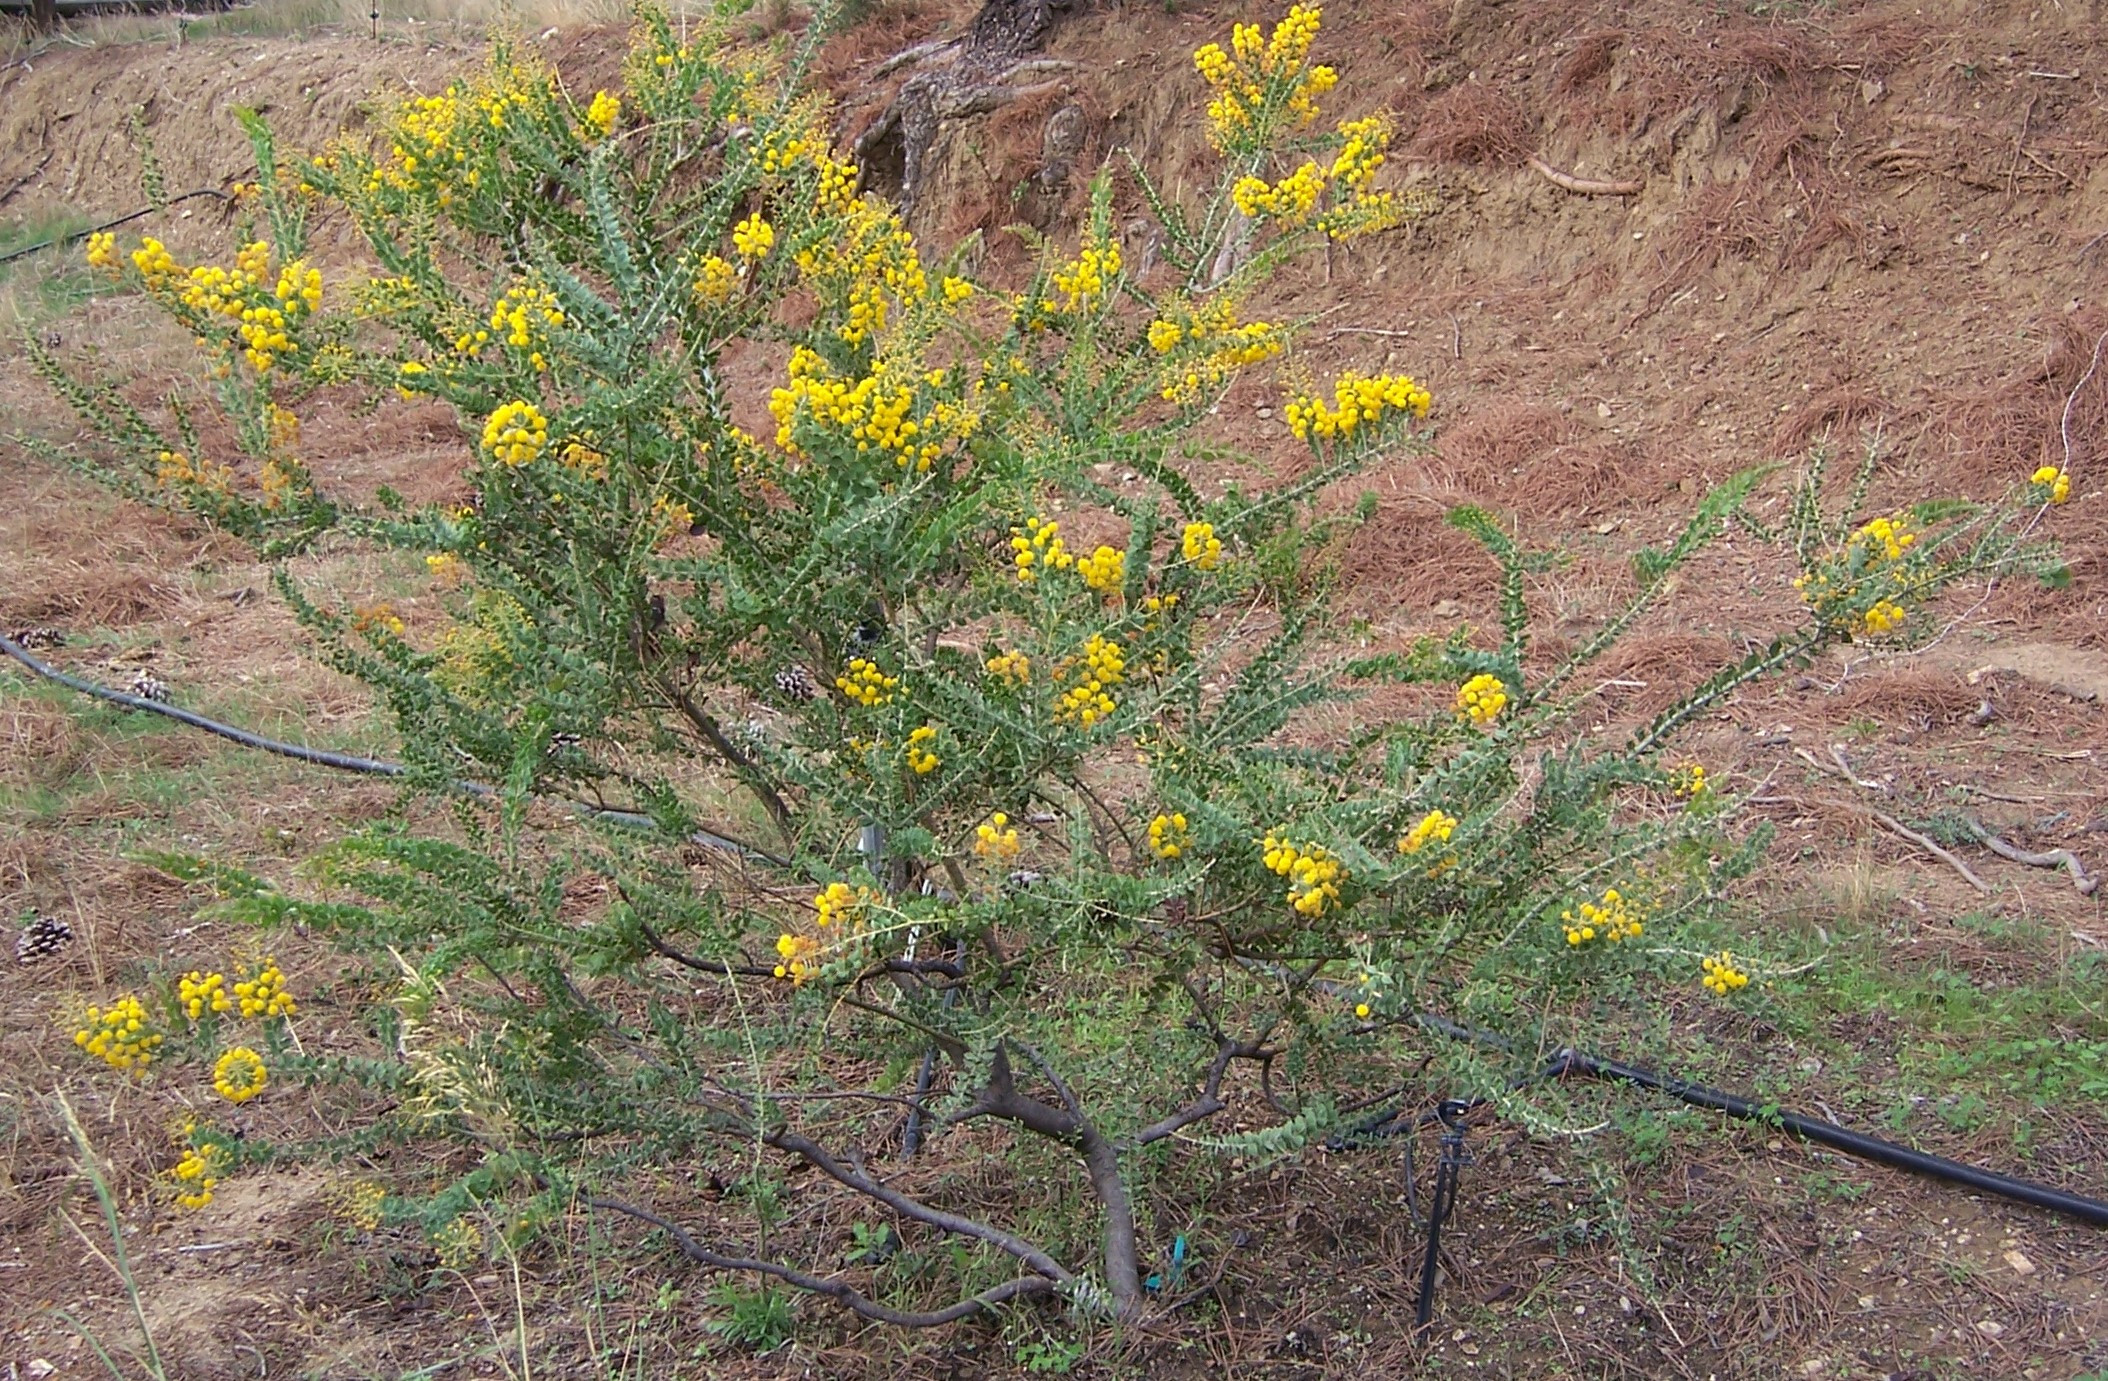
1473 123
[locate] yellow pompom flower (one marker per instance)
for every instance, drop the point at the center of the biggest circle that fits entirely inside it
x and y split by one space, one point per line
753 237
102 250
602 115
119 1035
239 1075
196 1174
1104 570
797 956
996 838
1721 975
198 993
1314 874
1885 617
1434 827
515 434
865 684
1013 667
839 904
919 750
1168 836
1201 546
1614 918
1357 401
1036 547
1481 699
2056 478
1690 782
264 996
714 278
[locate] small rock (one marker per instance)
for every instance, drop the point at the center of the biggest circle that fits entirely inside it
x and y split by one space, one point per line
1447 609
2020 1264
1603 410
1990 1328
1815 1366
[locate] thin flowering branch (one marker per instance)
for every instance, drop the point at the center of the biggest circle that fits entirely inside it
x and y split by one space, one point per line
714 735
840 1291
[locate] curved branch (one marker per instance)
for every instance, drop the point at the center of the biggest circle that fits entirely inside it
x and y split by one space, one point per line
714 735
818 1157
839 1291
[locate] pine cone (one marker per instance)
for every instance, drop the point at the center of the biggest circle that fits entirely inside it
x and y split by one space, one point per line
44 937
148 686
796 683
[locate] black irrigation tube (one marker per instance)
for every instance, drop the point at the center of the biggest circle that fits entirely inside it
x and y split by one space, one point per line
1572 1063
69 238
323 757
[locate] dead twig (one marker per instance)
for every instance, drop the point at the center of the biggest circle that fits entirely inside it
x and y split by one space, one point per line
1585 186
1903 831
2084 881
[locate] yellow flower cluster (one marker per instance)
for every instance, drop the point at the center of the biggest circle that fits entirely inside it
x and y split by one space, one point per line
871 257
1435 827
444 565
1104 570
713 280
1362 153
239 1075
1481 699
956 291
175 468
1168 835
875 412
459 1244
1089 700
358 1202
1313 873
1037 547
1690 782
1614 918
797 956
1887 537
198 993
1246 84
118 1035
102 250
1013 667
195 1175
922 759
1357 400
1201 546
265 994
602 115
1884 617
865 684
670 518
996 838
1721 974
1228 346
841 905
2055 478
1083 282
836 193
1291 201
515 434
753 238
369 618
521 315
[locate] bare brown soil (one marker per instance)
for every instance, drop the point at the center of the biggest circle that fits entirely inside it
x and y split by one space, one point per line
1883 219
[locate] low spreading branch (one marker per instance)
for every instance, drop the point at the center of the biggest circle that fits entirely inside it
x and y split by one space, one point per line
820 1159
1001 1100
2085 882
839 1291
